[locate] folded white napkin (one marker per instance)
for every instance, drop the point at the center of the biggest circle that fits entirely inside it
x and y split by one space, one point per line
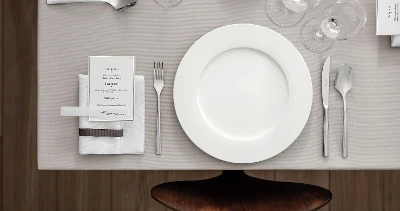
132 141
395 41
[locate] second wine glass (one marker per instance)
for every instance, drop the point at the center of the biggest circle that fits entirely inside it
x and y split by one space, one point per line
340 21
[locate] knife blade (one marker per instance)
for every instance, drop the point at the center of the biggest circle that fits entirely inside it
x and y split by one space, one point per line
325 101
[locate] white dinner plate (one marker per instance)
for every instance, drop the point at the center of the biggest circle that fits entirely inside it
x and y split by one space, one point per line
243 93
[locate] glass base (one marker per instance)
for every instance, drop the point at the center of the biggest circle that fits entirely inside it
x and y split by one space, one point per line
281 15
168 3
313 37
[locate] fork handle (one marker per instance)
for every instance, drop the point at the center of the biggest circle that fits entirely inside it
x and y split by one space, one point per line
158 138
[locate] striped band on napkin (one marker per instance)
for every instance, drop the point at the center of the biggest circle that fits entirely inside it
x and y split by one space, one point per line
100 132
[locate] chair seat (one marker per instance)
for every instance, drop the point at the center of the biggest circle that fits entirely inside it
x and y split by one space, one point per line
236 191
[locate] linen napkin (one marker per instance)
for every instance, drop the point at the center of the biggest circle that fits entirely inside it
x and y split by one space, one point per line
132 141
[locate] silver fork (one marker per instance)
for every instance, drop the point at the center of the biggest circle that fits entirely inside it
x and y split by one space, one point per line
158 86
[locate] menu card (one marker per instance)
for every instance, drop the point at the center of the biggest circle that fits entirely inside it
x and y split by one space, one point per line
387 17
111 87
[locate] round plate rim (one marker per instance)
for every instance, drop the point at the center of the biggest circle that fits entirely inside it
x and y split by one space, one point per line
244 157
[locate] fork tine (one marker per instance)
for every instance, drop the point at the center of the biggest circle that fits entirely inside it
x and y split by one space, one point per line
162 70
155 71
158 70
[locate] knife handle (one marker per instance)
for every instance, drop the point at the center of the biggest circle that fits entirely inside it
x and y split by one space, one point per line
326 132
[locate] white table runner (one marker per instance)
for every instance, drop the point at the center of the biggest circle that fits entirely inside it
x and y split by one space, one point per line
68 34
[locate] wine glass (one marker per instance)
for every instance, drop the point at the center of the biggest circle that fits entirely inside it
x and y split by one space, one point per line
289 12
342 20
168 3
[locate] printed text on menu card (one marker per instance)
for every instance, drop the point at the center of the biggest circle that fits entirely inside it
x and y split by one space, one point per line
387 17
111 87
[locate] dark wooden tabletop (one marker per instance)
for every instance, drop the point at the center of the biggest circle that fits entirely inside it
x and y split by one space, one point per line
23 187
236 191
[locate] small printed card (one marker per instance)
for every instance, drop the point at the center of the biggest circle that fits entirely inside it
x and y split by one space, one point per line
111 87
387 17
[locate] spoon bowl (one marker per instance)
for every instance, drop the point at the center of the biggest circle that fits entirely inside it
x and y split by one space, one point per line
344 79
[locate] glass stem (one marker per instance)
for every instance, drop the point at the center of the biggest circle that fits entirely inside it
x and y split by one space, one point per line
333 23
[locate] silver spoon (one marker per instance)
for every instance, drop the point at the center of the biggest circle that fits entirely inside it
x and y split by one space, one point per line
344 83
117 4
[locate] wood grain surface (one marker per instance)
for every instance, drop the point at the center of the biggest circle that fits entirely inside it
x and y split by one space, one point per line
234 190
131 189
357 190
320 178
391 193
23 187
84 190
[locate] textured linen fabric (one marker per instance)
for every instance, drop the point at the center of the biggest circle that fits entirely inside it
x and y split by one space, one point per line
69 33
132 141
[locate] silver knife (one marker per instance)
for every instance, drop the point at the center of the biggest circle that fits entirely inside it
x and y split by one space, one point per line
325 101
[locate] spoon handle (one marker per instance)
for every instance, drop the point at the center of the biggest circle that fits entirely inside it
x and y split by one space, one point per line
345 145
